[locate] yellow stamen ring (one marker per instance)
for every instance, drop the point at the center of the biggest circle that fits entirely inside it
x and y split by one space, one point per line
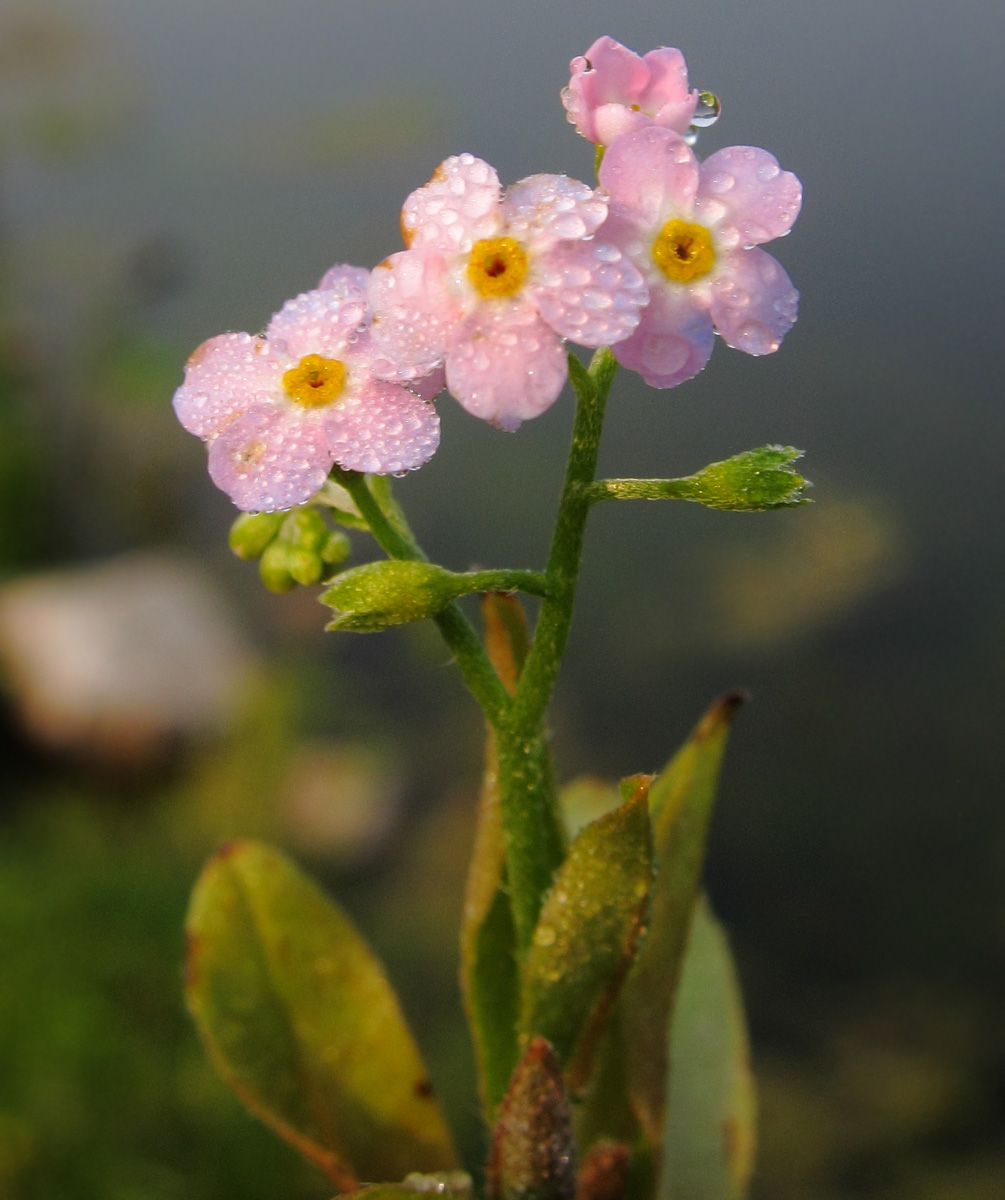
497 266
683 252
314 381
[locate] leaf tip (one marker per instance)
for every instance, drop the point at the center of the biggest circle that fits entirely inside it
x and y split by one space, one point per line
720 715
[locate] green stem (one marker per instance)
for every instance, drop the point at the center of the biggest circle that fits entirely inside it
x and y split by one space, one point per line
391 532
639 489
534 583
531 826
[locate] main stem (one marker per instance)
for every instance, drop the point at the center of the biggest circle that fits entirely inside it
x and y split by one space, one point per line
531 826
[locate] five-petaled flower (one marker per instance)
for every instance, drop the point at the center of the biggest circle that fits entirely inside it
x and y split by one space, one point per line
693 230
613 91
490 285
278 410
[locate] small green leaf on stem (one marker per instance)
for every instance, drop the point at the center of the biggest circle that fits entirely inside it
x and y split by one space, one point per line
299 1019
586 935
709 1139
680 805
533 1152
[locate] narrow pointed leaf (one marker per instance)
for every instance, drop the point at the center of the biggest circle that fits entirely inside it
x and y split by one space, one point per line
448 1185
709 1140
533 1152
680 803
298 1017
587 933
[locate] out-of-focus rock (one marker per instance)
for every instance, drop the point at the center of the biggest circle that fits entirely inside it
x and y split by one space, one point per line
117 662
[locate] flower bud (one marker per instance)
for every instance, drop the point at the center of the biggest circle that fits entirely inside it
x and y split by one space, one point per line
749 482
381 594
252 532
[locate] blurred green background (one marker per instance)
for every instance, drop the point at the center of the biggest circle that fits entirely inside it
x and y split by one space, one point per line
168 172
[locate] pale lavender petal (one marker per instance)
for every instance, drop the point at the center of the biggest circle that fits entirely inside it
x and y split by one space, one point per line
544 209
223 378
673 341
754 304
588 292
609 74
347 280
271 458
382 429
505 364
427 387
414 311
651 176
745 197
456 208
319 322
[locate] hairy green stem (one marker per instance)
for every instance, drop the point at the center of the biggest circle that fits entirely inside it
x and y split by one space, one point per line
391 532
532 829
639 489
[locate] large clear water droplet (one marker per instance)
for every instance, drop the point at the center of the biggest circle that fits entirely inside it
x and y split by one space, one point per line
708 111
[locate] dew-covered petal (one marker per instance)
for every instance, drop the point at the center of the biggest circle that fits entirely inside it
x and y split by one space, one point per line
651 176
608 74
754 304
589 292
745 197
459 205
318 322
414 311
271 458
382 429
544 209
666 98
505 364
223 378
426 387
347 280
673 341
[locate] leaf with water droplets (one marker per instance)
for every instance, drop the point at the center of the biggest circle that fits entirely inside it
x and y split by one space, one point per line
709 1137
587 933
533 1151
680 804
298 1017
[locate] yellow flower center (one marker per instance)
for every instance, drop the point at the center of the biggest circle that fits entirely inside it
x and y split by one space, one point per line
683 252
497 266
314 381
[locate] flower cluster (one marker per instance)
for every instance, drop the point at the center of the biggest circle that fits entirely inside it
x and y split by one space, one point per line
491 284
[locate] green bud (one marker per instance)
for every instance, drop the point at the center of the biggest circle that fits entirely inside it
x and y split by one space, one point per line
749 482
381 594
274 568
252 532
336 548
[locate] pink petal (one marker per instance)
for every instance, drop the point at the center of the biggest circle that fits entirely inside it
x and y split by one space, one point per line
673 341
414 311
505 365
223 378
667 84
651 175
588 292
544 209
745 197
610 71
382 430
427 387
319 322
347 280
754 304
459 205
271 458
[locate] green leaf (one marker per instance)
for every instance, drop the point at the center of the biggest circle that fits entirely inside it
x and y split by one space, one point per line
680 805
586 934
709 1139
488 938
298 1017
533 1151
749 482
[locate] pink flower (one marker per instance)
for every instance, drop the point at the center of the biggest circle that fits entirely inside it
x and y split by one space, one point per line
491 283
278 410
693 231
613 91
